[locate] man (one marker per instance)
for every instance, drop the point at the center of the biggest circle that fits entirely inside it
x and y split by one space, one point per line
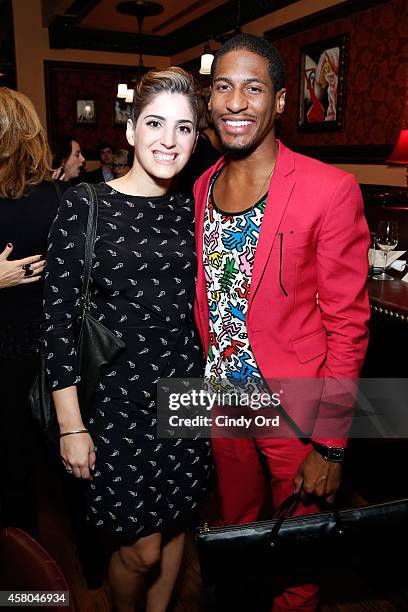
104 173
274 230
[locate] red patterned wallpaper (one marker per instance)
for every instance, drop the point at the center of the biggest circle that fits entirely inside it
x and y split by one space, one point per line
68 82
376 79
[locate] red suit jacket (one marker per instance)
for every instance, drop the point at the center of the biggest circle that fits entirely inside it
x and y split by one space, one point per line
308 307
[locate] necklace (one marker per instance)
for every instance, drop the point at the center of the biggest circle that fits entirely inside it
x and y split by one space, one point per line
266 181
250 209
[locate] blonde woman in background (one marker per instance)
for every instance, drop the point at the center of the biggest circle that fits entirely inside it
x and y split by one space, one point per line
121 164
28 204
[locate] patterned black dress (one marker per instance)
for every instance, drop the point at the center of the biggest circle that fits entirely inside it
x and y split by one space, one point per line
143 288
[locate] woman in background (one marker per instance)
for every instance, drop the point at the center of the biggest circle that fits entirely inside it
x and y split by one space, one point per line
121 165
69 160
28 205
142 490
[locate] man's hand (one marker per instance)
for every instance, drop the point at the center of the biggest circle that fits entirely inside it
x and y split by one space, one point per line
319 477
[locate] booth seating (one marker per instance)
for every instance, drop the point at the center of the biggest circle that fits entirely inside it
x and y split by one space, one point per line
26 566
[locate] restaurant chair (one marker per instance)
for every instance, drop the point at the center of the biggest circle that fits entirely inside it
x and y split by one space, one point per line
26 566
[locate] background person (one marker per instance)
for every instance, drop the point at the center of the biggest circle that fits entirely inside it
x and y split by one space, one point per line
69 160
142 491
121 165
28 205
105 172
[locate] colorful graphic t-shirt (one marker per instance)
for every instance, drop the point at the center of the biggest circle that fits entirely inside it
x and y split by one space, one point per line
230 241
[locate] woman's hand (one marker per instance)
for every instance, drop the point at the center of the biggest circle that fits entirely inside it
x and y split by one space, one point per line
19 271
77 449
78 454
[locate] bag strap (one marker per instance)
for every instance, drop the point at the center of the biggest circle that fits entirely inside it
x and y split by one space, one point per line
90 238
288 506
283 511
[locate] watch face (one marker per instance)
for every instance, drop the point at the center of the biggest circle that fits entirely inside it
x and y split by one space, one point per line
336 454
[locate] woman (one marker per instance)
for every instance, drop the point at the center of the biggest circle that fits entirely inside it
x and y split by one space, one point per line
121 164
28 204
142 491
68 159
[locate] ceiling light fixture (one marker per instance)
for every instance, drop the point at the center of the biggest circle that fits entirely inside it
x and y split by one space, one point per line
139 9
206 60
208 56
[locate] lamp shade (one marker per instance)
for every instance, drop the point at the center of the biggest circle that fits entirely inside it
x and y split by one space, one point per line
129 95
206 61
122 90
400 152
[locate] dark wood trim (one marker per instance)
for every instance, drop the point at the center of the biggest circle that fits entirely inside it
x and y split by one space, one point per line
81 8
348 154
321 17
179 15
64 32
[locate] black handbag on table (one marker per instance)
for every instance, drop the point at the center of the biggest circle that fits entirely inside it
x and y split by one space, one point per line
96 345
325 541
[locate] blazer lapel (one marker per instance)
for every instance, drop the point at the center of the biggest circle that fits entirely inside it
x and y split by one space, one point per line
280 189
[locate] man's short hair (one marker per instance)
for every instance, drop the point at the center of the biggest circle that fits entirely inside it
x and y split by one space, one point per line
102 146
259 46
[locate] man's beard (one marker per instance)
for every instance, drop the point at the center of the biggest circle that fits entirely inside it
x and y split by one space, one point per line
239 151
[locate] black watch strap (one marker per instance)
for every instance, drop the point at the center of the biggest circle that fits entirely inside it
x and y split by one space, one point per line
330 453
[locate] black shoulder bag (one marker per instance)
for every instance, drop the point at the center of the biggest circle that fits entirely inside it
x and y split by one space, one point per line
96 346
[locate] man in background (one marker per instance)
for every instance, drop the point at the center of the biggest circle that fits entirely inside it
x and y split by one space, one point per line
104 173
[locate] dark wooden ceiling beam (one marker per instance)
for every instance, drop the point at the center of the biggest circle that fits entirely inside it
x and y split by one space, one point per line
65 33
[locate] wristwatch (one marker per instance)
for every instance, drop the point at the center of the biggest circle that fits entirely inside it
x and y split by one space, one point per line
329 453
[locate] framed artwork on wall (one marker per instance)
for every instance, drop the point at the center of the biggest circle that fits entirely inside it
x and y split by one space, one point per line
85 112
322 81
121 112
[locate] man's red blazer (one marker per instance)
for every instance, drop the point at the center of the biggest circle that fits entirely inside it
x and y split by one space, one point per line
308 307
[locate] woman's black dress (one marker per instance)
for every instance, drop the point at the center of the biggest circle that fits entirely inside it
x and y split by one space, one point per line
143 287
25 223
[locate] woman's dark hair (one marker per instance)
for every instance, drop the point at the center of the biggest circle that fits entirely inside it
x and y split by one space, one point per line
173 80
259 46
62 149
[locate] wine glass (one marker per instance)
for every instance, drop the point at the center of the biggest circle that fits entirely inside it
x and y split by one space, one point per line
387 240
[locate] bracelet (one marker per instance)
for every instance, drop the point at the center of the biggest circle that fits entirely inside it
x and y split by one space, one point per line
76 431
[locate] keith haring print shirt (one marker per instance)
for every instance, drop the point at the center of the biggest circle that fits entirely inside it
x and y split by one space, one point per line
230 241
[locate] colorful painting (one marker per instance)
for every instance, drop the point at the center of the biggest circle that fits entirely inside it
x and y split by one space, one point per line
322 85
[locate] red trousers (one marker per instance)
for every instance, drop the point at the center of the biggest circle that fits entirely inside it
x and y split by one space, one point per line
241 487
